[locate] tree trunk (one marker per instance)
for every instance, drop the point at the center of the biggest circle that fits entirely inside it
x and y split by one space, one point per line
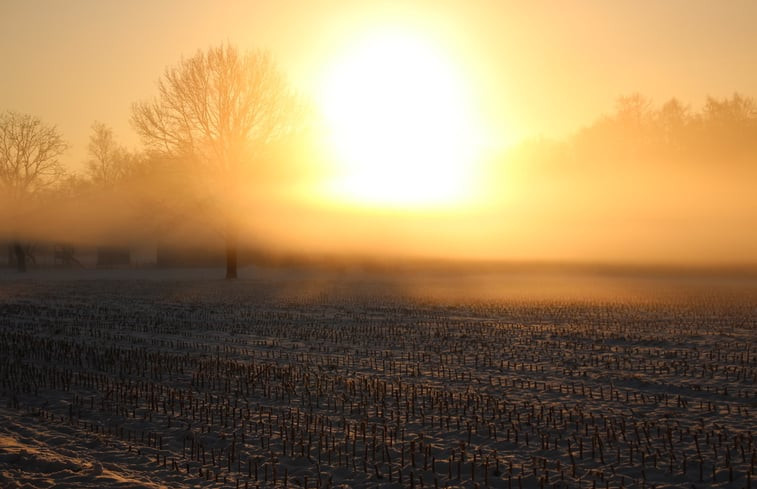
231 256
18 250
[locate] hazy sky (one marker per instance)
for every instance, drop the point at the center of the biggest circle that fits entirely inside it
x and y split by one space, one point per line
536 68
505 71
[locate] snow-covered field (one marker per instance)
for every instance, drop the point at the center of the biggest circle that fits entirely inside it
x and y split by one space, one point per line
322 379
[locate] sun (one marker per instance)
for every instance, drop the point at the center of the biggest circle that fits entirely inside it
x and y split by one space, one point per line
400 124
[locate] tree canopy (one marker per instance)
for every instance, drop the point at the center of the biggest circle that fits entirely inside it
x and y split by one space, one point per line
29 152
216 112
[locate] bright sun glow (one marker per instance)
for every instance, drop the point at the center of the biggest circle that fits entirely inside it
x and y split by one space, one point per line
400 123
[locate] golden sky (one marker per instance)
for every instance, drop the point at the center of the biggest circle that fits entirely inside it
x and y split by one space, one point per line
509 70
538 68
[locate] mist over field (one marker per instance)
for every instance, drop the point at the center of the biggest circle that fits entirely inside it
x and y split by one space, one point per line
646 184
398 135
378 244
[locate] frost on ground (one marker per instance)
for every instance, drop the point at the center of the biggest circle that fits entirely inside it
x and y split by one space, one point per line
307 380
39 454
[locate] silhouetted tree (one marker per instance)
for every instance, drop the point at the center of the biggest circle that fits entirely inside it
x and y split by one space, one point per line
633 110
673 119
29 152
737 109
729 127
106 163
216 111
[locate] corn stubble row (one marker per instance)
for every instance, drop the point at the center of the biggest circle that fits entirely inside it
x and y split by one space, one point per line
266 390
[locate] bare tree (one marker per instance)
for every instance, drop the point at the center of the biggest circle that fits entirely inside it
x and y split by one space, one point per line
109 162
217 110
29 152
672 121
104 153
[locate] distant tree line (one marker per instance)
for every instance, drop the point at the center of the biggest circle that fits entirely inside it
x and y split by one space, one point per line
207 134
666 181
221 118
722 132
719 136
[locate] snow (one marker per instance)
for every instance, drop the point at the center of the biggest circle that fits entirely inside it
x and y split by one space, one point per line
157 378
